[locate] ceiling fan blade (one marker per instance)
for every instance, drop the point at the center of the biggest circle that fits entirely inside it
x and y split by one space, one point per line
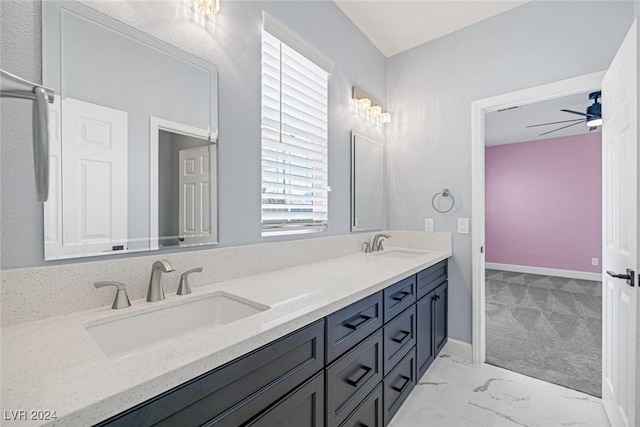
576 112
563 127
555 123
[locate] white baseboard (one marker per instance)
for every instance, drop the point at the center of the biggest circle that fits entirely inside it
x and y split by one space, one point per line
570 274
458 348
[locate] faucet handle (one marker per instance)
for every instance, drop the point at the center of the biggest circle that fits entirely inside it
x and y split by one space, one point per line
122 299
185 288
366 247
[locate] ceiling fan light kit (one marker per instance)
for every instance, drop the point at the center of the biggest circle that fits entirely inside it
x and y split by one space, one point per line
592 117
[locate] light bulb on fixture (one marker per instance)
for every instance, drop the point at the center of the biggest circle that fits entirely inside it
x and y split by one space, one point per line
375 111
594 121
208 7
385 117
364 104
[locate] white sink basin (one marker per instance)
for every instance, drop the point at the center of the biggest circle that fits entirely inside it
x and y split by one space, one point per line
127 335
401 253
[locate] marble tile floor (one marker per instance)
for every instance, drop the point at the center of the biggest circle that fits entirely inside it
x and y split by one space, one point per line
457 393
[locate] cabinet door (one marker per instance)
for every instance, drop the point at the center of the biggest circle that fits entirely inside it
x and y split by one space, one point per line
424 332
440 317
304 407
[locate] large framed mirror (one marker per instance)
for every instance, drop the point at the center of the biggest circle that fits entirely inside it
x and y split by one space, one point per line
133 146
367 177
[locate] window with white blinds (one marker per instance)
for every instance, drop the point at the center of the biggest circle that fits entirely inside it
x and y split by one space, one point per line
294 140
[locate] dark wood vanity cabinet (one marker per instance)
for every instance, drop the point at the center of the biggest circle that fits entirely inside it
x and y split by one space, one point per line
353 368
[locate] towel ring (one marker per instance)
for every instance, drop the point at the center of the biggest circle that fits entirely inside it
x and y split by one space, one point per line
444 193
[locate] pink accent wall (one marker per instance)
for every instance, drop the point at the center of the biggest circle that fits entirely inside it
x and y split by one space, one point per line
544 203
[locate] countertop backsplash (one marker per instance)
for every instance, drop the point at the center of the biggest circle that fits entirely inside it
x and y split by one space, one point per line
30 294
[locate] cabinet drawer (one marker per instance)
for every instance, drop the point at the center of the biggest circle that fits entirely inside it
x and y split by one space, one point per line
398 297
258 378
349 326
369 413
399 337
352 377
398 384
431 277
304 407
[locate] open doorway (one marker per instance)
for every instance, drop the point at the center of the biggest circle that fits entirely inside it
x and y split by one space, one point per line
543 234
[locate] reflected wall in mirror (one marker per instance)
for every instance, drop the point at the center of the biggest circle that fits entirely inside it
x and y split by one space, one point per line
133 138
367 175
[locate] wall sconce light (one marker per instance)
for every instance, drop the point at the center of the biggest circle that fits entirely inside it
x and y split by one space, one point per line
208 7
369 106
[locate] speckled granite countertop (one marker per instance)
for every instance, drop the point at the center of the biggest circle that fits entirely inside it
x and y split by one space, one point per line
54 364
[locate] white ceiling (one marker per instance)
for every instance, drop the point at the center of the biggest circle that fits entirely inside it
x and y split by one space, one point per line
506 127
398 25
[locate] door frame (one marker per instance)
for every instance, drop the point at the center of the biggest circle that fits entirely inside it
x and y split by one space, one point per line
157 124
530 95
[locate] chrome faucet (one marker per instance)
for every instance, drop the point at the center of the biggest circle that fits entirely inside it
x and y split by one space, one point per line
156 291
377 241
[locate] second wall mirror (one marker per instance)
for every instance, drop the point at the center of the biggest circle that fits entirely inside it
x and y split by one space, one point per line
367 178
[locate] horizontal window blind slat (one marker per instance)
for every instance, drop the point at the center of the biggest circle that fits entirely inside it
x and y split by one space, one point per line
266 163
293 179
293 158
298 190
291 216
295 146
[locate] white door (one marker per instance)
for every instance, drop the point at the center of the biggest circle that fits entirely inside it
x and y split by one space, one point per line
620 235
94 180
195 196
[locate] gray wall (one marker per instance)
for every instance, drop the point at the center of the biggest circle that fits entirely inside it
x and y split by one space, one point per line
430 89
232 41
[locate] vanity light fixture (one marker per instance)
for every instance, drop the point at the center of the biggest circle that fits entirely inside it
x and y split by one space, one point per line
208 7
369 106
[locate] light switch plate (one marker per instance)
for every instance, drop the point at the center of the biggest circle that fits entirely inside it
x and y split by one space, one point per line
463 225
428 224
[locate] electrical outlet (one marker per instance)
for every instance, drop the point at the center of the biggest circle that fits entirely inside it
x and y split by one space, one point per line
595 261
463 225
428 224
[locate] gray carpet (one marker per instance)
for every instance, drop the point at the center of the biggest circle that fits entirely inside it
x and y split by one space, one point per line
545 327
